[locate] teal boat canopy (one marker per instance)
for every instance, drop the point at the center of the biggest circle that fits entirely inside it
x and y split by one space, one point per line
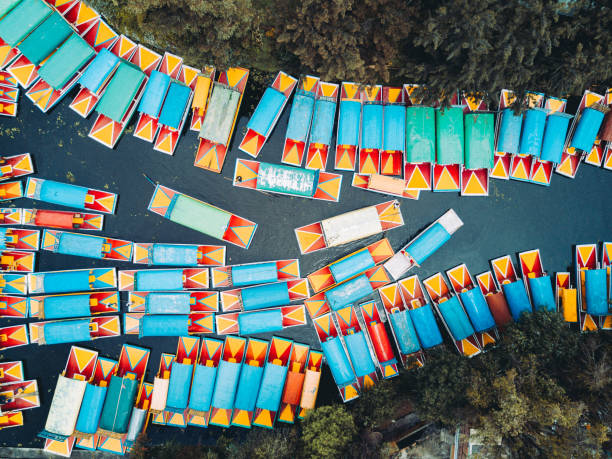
420 135
295 181
479 140
7 5
120 91
22 19
198 216
217 125
449 138
66 61
45 39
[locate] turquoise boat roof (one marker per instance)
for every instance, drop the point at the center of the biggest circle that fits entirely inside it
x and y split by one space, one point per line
267 111
121 91
288 180
175 104
45 38
100 68
154 94
66 61
22 19
7 5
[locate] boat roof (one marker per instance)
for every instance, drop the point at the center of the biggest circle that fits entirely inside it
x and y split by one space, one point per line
66 61
174 106
45 38
121 91
22 19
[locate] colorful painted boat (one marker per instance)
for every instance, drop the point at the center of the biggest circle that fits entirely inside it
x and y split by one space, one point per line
336 357
68 396
143 325
10 216
357 346
255 273
425 244
13 284
351 265
371 130
220 120
300 120
66 194
381 344
19 396
394 131
15 261
163 279
593 288
201 96
420 141
349 227
20 239
606 263
124 388
15 166
10 190
202 217
121 96
73 305
179 254
320 138
161 383
203 384
453 316
87 245
73 280
412 320
566 297
139 417
249 383
349 127
173 302
287 180
479 135
474 303
311 383
267 113
63 219
512 286
383 184
264 296
294 383
604 148
180 380
582 133
495 298
226 383
273 382
266 321
93 399
537 282
74 330
13 336
11 372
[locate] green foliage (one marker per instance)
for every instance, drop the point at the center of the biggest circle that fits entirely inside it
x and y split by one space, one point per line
281 443
376 405
327 431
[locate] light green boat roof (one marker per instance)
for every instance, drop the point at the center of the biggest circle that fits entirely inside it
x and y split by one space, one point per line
7 5
66 61
420 135
199 216
120 91
22 19
479 140
279 178
45 38
217 125
449 135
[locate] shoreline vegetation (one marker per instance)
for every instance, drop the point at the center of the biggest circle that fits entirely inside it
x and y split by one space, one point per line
545 390
559 47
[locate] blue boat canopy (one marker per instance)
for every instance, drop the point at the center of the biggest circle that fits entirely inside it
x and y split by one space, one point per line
82 245
476 306
91 409
596 292
554 137
175 105
349 122
64 306
202 388
225 387
323 121
265 296
70 331
587 129
517 299
427 243
66 281
267 111
394 132
301 116
259 273
174 254
154 94
178 387
159 279
98 71
351 265
405 333
348 292
164 325
260 321
456 319
509 131
542 295
168 303
533 132
338 362
248 387
63 194
272 385
426 326
360 354
372 126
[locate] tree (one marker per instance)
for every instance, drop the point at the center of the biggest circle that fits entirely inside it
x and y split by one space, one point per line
327 431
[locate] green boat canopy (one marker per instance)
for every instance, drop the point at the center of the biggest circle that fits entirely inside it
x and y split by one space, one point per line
286 179
420 135
479 140
449 139
217 125
66 61
118 405
120 91
7 5
199 216
22 19
45 39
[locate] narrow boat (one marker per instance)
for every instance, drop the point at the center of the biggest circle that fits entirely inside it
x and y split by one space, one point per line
272 382
371 130
495 298
381 344
593 288
267 113
17 261
264 296
63 219
14 166
537 282
73 305
13 307
349 227
173 302
157 254
66 194
74 330
143 325
287 180
394 131
312 380
513 288
202 217
87 245
566 297
180 381
349 127
453 316
161 383
266 321
319 140
479 135
294 383
420 140
300 121
249 383
163 279
606 263
201 97
203 384
139 417
605 135
450 153
72 280
220 120
255 273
